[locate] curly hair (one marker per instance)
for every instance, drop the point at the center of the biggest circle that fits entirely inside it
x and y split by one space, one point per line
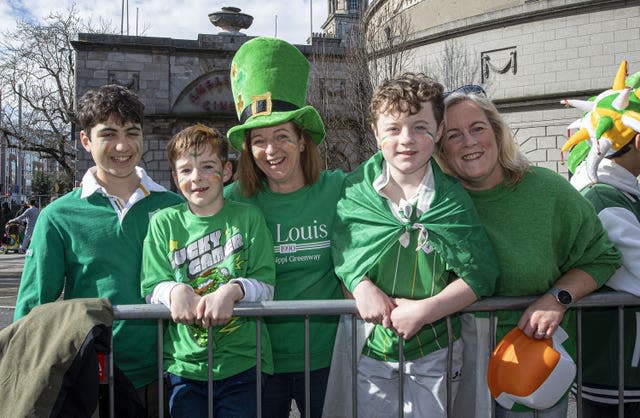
197 137
109 101
406 93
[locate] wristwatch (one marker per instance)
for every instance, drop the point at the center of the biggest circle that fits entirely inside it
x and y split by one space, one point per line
563 297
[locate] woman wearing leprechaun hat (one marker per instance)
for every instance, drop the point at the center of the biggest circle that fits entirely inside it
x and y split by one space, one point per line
279 171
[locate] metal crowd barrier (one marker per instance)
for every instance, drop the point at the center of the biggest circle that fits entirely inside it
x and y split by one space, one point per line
309 308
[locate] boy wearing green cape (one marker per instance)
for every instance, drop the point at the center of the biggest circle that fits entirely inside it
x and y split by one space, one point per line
409 246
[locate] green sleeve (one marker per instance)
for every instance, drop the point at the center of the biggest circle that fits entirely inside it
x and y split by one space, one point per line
43 273
156 266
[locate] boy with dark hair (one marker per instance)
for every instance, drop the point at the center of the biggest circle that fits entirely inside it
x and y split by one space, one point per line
88 243
409 245
199 258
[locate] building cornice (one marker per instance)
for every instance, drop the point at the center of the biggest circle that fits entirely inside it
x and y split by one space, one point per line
529 11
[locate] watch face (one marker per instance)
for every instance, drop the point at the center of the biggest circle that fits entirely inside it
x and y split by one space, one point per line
564 297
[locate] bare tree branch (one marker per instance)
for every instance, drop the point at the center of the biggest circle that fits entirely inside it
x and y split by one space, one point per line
456 66
37 68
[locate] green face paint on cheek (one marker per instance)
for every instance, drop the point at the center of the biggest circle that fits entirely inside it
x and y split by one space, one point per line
426 135
384 141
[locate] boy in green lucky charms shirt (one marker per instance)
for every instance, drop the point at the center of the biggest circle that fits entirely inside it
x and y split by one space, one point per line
408 244
199 258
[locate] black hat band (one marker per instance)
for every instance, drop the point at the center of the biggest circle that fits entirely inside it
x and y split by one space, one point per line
266 107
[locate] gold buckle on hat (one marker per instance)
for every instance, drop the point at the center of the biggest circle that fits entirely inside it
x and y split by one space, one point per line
265 101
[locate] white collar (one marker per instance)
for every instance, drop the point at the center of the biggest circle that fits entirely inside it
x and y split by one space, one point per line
609 172
423 197
403 210
90 183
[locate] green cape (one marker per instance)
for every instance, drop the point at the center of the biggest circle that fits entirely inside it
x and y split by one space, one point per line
365 229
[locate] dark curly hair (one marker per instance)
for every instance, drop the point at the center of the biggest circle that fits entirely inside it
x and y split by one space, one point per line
112 100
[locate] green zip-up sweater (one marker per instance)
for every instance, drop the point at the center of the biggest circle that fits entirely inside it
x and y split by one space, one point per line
80 247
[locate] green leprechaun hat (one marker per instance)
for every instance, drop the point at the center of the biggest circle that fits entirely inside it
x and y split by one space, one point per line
269 83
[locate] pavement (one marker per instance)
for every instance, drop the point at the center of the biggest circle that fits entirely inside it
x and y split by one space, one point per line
10 271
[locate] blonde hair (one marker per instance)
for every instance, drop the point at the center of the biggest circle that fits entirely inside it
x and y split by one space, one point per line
252 179
513 162
197 137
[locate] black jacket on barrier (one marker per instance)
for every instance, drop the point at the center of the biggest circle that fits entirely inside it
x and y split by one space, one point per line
48 360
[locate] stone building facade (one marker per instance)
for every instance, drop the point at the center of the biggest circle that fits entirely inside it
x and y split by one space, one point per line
181 82
531 54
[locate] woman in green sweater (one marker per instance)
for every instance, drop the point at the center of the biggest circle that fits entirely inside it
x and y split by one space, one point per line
548 238
279 171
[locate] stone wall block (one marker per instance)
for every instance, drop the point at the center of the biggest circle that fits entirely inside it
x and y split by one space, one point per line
547 142
536 155
602 38
626 35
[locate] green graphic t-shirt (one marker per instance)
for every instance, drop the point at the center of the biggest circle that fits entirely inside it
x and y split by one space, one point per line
206 252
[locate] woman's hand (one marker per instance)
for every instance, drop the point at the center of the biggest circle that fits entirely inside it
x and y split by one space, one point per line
373 304
542 317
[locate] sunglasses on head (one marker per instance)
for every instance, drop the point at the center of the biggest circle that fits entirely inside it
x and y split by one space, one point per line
467 89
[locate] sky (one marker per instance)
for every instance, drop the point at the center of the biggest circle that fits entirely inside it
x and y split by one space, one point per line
180 19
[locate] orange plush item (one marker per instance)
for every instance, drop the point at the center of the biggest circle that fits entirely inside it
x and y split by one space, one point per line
530 372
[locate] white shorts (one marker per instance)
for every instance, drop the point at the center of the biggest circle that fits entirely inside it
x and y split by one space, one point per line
425 385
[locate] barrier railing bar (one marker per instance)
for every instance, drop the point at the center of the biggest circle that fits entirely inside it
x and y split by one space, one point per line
492 342
579 362
449 374
209 373
110 379
160 359
354 366
401 376
258 368
307 370
620 361
338 307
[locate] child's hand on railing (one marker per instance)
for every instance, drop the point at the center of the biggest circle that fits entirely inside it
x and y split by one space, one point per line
373 304
217 308
183 302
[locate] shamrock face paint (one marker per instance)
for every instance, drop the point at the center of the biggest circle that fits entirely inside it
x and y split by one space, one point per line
116 149
200 175
407 141
276 151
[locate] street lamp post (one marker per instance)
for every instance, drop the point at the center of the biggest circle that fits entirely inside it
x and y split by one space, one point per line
3 156
20 157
